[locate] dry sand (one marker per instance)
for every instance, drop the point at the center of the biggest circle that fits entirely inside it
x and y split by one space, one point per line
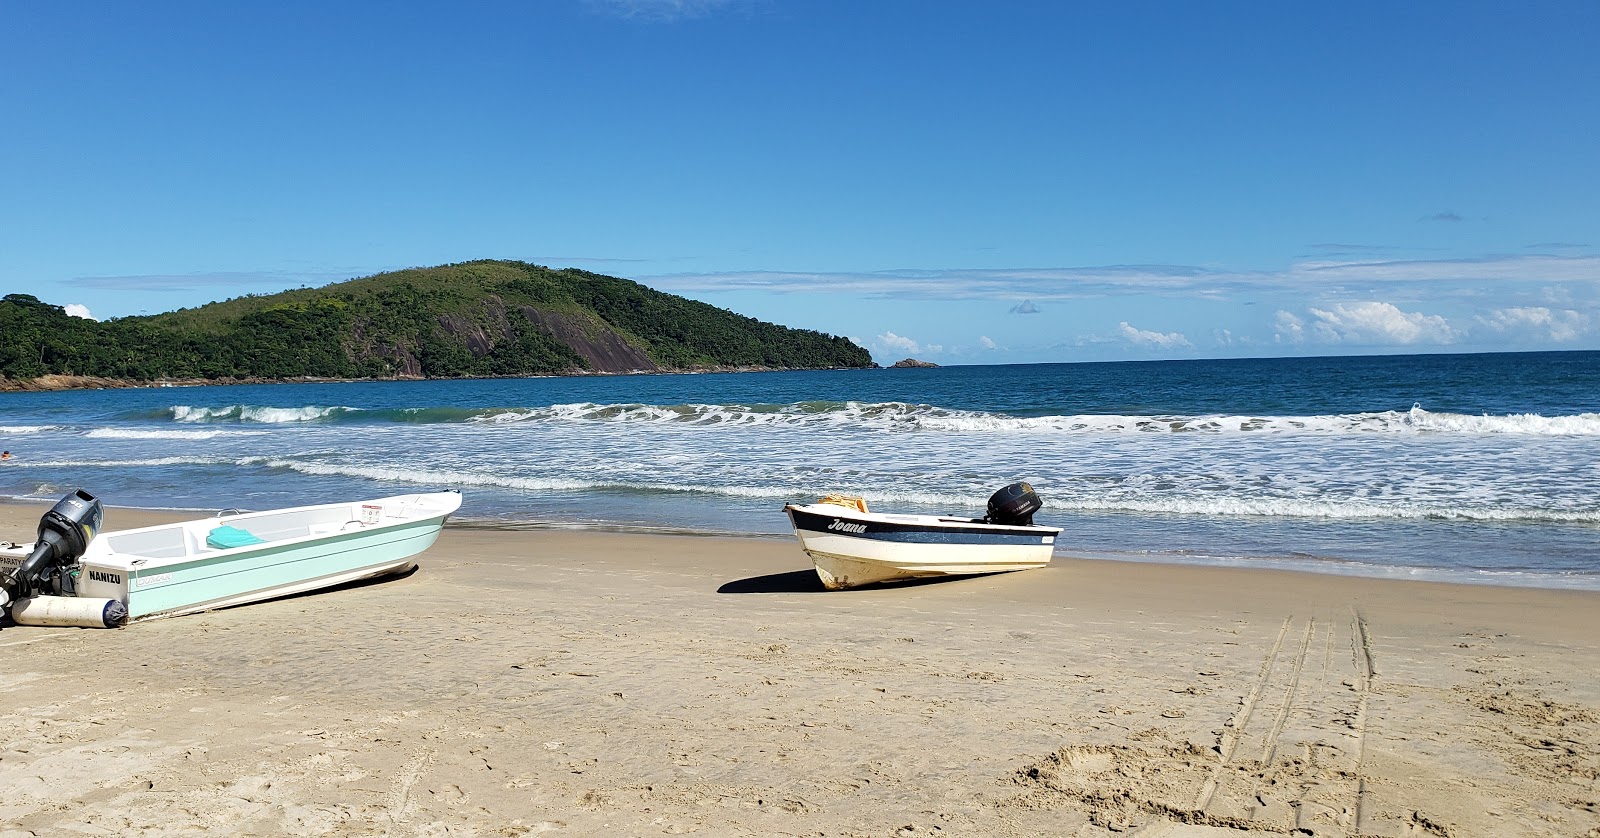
525 683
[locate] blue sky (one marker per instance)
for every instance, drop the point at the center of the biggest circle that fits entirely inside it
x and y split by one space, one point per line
959 182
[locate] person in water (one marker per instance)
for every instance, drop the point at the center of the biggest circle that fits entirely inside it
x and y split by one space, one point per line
5 455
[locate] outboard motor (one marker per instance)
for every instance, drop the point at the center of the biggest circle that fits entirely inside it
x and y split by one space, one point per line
64 533
42 592
1013 505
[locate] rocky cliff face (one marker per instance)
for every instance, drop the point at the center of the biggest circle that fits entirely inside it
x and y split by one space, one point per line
913 363
604 349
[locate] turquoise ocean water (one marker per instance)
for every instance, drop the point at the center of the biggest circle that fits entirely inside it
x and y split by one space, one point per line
1467 467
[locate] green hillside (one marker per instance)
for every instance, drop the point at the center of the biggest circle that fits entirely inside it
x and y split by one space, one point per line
474 319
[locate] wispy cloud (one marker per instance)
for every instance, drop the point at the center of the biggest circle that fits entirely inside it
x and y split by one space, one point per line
1343 247
660 11
558 261
215 279
1226 339
986 342
1442 216
1537 323
1002 283
1329 278
1510 269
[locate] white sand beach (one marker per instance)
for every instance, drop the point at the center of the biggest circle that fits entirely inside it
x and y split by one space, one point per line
523 683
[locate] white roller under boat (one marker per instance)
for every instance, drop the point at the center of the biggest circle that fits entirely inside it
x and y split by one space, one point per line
852 546
69 576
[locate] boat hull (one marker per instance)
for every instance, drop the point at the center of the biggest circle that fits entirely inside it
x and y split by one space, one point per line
851 548
205 584
170 570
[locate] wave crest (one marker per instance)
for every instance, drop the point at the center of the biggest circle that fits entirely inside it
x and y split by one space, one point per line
122 433
906 417
257 413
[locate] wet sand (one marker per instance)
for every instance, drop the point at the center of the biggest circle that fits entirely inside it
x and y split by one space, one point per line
523 683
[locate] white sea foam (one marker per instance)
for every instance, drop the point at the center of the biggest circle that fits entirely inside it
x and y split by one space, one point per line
900 416
24 430
1321 508
428 477
255 413
1059 500
137 463
1528 578
124 433
1582 424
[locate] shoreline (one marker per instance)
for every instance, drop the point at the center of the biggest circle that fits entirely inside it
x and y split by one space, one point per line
591 683
56 382
1516 580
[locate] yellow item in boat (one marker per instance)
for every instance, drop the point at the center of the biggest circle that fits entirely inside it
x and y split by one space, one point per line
856 503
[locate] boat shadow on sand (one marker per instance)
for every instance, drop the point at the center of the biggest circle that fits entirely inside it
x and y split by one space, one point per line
806 582
352 585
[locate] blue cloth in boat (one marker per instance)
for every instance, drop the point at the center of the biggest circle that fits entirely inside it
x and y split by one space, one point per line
225 536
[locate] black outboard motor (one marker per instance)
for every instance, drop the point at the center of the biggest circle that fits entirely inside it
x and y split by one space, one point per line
1014 505
64 533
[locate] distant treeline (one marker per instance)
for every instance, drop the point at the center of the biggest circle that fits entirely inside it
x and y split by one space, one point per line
474 319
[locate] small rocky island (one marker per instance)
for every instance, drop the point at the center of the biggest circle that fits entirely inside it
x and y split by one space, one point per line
912 363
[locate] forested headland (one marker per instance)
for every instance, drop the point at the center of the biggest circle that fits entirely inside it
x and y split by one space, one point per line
473 319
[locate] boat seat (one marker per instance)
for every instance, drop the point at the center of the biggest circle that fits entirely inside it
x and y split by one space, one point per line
156 544
225 536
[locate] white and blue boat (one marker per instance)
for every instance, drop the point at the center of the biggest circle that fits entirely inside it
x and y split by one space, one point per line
851 546
71 577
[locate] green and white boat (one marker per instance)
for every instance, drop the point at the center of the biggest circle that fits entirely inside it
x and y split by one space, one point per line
210 563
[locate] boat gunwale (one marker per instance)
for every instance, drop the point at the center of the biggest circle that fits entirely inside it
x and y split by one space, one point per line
101 554
932 523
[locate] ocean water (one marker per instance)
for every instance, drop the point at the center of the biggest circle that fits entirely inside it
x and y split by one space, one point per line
1465 467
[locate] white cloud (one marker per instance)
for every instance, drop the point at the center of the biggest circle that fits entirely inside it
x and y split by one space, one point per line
1379 324
77 310
986 341
1518 269
894 341
1287 327
1413 278
1537 322
1155 340
900 343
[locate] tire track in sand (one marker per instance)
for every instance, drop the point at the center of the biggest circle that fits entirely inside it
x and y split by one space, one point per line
1233 730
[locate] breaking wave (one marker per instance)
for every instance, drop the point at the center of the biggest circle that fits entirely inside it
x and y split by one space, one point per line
905 417
1061 501
253 413
123 433
23 430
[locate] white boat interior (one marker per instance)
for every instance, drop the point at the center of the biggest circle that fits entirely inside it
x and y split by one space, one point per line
193 539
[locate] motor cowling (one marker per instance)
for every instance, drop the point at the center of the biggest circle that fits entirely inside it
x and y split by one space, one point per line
1014 505
64 533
